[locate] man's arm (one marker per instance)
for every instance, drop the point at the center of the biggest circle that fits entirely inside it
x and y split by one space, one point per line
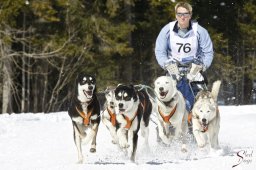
205 51
161 46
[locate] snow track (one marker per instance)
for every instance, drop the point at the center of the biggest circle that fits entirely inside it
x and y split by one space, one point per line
45 141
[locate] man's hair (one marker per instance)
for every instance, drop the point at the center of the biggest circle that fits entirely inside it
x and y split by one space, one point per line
184 5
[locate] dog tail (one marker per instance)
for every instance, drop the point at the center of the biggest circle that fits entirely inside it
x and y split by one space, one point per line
216 89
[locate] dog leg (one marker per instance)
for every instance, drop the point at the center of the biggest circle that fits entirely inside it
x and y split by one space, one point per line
94 135
144 134
133 140
77 140
213 140
199 139
162 135
111 129
121 133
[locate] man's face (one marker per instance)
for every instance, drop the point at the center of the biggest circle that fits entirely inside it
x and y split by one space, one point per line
183 16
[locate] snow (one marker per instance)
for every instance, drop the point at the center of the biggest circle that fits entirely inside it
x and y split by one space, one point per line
45 142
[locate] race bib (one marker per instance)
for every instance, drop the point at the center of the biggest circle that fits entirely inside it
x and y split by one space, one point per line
183 49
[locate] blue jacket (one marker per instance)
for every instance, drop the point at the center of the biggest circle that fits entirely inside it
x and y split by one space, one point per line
163 49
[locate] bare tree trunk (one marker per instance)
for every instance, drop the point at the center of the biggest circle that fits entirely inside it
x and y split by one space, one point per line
6 97
45 90
23 93
35 93
7 81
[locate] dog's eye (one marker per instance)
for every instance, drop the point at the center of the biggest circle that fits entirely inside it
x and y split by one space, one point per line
201 111
127 98
119 96
167 82
83 82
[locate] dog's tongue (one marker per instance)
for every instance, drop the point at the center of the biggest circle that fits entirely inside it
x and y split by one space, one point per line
89 93
162 93
121 111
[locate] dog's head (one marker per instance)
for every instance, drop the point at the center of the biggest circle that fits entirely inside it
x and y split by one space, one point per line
165 88
125 97
86 86
110 97
205 108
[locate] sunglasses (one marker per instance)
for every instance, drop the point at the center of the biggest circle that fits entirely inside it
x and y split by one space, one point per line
187 14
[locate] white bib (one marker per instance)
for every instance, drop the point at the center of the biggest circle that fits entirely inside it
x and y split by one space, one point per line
183 49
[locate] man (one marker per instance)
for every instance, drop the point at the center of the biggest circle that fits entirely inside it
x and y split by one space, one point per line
185 50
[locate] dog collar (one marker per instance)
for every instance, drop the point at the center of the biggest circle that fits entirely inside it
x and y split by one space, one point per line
86 117
167 117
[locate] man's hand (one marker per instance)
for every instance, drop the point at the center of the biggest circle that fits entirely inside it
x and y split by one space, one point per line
173 70
194 73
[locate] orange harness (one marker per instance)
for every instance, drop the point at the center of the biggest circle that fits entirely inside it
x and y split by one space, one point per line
129 122
86 117
190 117
112 117
167 117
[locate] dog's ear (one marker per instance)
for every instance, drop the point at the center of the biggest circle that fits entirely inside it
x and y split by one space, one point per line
120 84
134 92
131 86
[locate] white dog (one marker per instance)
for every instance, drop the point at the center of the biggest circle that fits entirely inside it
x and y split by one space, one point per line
206 117
171 109
109 115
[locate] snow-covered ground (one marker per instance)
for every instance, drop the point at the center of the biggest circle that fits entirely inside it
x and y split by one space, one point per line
45 141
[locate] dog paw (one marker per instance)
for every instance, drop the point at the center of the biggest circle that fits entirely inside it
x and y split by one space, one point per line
92 150
201 144
124 145
114 141
80 161
184 148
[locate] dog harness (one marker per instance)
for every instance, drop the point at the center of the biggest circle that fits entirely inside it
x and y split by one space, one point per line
86 117
112 117
129 122
167 117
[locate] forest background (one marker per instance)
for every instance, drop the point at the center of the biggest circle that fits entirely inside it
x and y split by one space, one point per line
44 44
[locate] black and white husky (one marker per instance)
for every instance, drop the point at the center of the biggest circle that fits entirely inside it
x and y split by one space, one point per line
133 109
84 111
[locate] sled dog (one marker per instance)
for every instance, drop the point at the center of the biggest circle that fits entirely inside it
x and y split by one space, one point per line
84 111
109 114
133 114
206 117
171 110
